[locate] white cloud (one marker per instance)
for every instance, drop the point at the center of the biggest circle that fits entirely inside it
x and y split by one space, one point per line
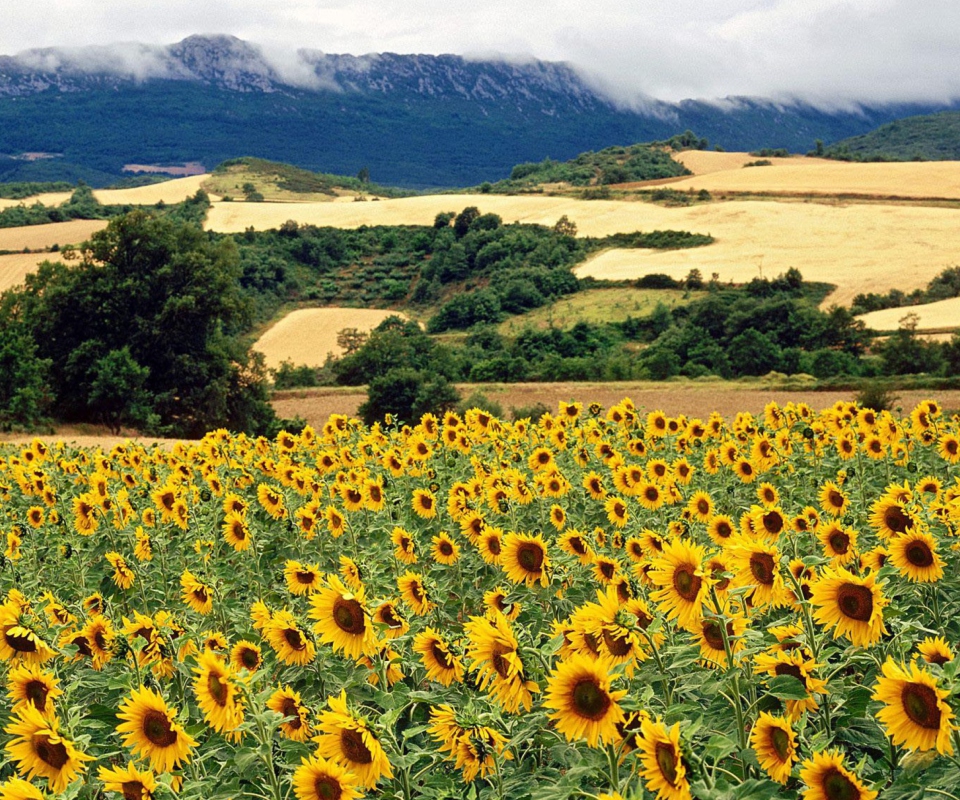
834 52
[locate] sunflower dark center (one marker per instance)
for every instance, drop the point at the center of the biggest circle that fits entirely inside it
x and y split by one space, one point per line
837 786
36 692
792 670
22 644
294 638
836 499
762 568
686 582
920 704
351 743
133 790
249 658
530 556
218 689
578 545
348 614
855 601
919 554
375 494
158 730
780 742
499 663
713 633
441 656
200 594
83 646
652 493
589 699
723 529
306 577
53 753
667 761
703 507
289 709
897 520
446 548
746 468
607 569
773 522
493 545
618 646
839 542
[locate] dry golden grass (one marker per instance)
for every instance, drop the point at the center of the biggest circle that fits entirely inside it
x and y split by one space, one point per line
38 237
14 268
174 191
703 162
48 199
306 335
858 247
930 179
930 316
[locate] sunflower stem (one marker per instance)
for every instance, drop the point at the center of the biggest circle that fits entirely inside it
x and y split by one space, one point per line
734 671
614 768
267 746
893 760
664 681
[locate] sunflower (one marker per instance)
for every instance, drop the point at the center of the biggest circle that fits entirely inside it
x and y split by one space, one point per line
593 483
246 655
524 558
19 643
720 529
151 731
745 470
935 650
196 594
617 512
852 605
493 651
477 750
288 641
217 692
350 742
414 593
318 778
915 713
839 543
390 621
404 546
271 499
490 545
130 782
445 551
757 564
889 516
296 723
497 600
442 665
302 578
948 446
424 503
584 707
775 745
343 620
797 663
915 555
661 760
678 571
235 531
832 500
39 750
575 543
826 778
29 684
123 576
709 636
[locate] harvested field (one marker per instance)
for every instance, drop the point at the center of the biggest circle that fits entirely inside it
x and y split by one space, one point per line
40 237
931 316
860 248
694 400
703 162
173 191
307 335
14 268
48 199
802 176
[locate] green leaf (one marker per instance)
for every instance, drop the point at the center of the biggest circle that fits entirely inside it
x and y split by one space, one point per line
786 687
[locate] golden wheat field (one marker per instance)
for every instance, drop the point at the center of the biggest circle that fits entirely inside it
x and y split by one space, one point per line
929 179
48 199
40 237
702 162
173 191
858 247
14 268
930 316
307 335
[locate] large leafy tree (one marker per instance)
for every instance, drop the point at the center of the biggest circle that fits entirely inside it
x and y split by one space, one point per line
145 329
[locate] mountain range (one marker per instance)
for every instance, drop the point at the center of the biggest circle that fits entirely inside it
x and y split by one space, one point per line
412 120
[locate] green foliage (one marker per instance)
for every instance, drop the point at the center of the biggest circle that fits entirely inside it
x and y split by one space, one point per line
942 287
20 190
639 162
302 181
25 396
407 394
146 330
928 137
877 396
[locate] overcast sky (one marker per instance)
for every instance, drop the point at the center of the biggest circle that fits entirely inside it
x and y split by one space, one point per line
827 51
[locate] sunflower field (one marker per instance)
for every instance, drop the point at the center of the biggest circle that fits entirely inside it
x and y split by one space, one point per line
601 603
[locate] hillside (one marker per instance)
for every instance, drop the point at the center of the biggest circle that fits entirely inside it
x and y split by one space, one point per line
928 137
413 120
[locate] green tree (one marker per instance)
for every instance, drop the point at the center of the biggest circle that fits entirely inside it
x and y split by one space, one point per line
25 396
408 394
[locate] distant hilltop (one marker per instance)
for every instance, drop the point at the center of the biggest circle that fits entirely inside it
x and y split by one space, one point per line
411 120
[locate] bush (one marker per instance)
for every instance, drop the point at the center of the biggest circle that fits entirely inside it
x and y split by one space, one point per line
407 394
478 399
877 396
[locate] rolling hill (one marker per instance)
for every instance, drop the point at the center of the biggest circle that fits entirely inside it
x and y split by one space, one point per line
928 137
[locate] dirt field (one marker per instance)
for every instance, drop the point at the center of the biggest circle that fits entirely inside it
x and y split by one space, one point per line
306 336
38 237
697 400
14 268
932 316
